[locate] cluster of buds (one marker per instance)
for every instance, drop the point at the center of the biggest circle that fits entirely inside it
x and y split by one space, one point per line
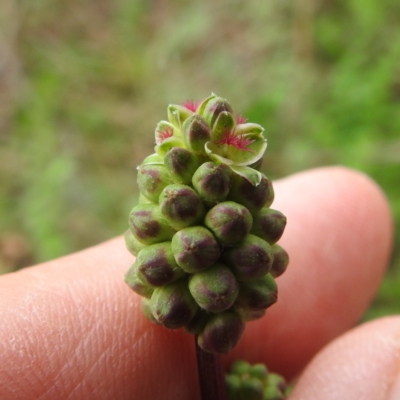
254 382
203 233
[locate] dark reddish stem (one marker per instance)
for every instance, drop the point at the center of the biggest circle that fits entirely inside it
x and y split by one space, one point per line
211 375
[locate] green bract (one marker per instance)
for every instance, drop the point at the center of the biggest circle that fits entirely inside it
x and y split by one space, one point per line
203 234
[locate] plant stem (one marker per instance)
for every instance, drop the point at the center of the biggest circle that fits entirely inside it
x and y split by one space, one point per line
211 375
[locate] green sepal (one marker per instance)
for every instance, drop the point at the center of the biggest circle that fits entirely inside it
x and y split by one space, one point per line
224 125
177 114
250 174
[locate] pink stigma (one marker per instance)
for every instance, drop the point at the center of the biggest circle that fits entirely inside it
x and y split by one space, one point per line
191 105
238 141
166 133
240 119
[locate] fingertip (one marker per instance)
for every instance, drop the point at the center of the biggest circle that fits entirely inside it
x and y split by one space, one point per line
362 364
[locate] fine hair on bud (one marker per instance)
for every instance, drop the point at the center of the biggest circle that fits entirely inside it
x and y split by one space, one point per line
230 222
181 206
132 244
212 182
221 333
157 266
250 259
258 294
148 225
269 225
172 305
195 248
152 179
181 165
214 289
133 280
281 260
251 196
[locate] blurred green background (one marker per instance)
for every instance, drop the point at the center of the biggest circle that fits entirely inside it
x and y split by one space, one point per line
83 83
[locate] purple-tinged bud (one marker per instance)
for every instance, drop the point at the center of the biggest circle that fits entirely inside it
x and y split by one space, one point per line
172 305
258 371
269 225
152 179
214 289
251 389
250 259
146 309
132 244
221 333
195 248
213 108
196 133
181 206
212 182
257 295
275 387
250 315
197 324
148 225
230 222
156 265
281 260
252 197
181 165
136 284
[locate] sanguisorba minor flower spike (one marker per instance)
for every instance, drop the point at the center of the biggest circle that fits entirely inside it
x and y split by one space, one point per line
203 233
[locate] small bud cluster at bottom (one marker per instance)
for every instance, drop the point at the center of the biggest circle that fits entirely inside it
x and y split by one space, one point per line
254 382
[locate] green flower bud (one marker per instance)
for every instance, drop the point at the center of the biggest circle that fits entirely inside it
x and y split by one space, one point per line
214 289
275 387
181 165
181 206
146 309
250 259
196 133
249 315
221 333
132 244
152 179
156 265
214 107
240 367
258 294
258 371
269 225
251 196
251 389
233 384
143 199
197 324
281 260
148 225
136 284
195 248
172 305
230 222
212 182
